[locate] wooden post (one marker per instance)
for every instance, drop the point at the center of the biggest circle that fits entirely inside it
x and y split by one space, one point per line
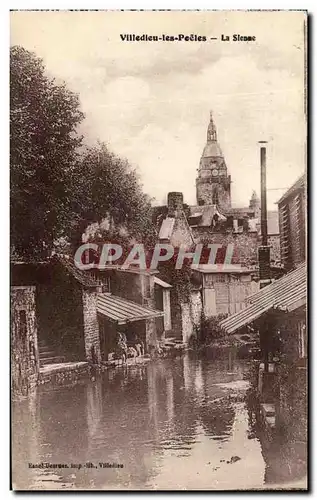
263 194
264 250
264 254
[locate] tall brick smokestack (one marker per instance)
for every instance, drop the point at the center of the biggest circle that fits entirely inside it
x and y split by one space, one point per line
264 259
263 195
264 250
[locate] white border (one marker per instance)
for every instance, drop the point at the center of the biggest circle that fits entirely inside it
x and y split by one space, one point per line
310 5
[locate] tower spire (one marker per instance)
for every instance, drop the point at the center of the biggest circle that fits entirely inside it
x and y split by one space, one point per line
213 181
211 131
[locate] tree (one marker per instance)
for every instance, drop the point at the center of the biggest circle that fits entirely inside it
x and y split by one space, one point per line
104 185
210 329
58 187
44 117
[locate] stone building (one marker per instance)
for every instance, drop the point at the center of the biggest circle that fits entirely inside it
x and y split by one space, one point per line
64 318
213 184
137 302
173 222
213 219
292 220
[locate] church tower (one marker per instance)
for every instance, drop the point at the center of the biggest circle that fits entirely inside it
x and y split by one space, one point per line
255 204
213 181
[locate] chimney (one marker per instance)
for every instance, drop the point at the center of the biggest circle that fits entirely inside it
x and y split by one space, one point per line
264 250
174 203
263 194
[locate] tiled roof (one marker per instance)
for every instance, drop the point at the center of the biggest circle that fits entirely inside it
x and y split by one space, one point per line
212 149
122 310
83 277
287 294
205 214
161 283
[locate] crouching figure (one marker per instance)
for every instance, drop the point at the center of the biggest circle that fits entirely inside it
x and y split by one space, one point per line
121 347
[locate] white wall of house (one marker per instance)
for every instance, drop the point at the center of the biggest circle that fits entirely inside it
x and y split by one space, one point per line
209 299
226 293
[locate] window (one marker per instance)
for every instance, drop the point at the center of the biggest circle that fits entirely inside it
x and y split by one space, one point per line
230 221
215 197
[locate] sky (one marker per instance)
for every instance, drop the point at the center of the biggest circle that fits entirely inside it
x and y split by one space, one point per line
150 101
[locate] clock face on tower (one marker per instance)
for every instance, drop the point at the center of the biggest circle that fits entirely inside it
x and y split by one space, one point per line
214 172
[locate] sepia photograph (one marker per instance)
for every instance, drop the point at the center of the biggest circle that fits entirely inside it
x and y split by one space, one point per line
158 246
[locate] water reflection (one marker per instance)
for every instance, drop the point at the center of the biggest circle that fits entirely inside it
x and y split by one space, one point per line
173 424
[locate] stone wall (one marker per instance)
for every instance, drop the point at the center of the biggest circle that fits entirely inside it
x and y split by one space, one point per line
65 374
60 313
191 315
24 342
245 244
91 326
154 327
148 290
292 409
167 308
128 285
187 325
133 285
138 287
208 192
150 334
291 414
181 235
176 314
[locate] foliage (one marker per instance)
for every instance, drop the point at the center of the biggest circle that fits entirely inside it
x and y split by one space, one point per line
180 279
210 329
104 185
58 187
44 117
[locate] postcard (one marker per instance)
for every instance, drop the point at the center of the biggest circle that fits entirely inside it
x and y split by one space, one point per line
158 250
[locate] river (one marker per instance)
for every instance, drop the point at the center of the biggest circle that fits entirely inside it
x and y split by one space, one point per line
166 424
